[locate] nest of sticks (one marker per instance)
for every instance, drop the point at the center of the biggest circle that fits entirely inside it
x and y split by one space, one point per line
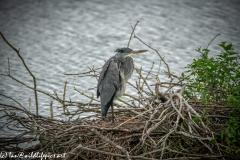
173 129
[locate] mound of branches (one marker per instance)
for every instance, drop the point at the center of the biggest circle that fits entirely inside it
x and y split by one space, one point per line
155 131
149 125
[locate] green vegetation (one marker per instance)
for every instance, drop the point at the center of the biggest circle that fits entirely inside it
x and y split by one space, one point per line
217 80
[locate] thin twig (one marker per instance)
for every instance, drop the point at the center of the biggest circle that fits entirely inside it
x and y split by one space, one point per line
25 65
212 40
132 33
111 143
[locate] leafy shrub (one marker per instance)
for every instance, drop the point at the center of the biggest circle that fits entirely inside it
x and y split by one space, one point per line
217 80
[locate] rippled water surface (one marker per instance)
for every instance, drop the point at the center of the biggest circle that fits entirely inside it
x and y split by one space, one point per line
57 37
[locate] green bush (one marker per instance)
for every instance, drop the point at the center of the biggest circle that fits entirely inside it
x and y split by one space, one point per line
217 80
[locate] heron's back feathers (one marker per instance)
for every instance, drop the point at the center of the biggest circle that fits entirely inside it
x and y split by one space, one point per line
108 84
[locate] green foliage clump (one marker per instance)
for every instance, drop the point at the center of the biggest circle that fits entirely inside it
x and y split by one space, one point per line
217 80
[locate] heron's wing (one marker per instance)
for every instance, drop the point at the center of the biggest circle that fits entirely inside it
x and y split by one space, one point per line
102 75
109 81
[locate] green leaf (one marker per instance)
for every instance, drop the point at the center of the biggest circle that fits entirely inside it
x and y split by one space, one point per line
228 47
183 74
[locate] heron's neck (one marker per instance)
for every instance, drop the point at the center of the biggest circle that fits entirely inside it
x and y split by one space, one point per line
127 66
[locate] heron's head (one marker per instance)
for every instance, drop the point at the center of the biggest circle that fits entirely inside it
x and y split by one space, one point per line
124 52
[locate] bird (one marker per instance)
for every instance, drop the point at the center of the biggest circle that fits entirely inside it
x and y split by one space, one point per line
113 78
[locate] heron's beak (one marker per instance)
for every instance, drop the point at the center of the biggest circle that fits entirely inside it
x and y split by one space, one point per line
138 51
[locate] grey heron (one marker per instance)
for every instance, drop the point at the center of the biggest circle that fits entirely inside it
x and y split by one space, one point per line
114 76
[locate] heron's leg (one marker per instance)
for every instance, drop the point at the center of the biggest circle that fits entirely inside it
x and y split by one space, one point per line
112 114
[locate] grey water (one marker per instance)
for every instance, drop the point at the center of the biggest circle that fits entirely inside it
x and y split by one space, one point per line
57 37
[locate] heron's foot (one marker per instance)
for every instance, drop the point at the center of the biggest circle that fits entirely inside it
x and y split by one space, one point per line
113 120
114 124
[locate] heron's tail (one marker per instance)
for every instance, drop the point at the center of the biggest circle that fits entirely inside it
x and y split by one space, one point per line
106 107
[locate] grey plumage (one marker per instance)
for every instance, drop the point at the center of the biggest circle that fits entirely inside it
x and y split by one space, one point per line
114 76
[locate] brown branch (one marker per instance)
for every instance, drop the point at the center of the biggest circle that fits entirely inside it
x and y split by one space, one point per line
213 39
25 65
169 73
132 33
80 147
37 90
112 143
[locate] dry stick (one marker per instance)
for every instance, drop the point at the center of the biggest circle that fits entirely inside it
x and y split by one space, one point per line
111 143
156 110
192 136
17 108
164 137
40 91
192 158
75 74
85 74
212 40
140 102
25 65
99 128
82 93
176 84
80 147
145 99
153 128
29 103
31 87
151 152
144 79
8 66
51 110
190 117
130 96
180 84
132 118
180 108
141 86
217 146
197 155
157 53
146 126
190 107
183 88
64 95
171 99
91 100
132 33
139 90
164 142
121 100
206 145
12 99
138 113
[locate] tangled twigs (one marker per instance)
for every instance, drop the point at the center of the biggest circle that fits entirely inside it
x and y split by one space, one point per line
145 136
161 96
154 133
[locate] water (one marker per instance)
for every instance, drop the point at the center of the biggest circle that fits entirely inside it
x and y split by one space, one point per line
58 37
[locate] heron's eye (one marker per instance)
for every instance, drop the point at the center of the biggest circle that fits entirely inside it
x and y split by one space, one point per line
119 50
